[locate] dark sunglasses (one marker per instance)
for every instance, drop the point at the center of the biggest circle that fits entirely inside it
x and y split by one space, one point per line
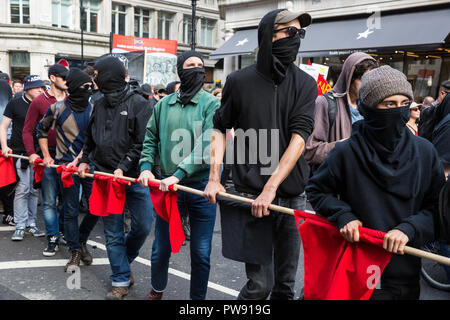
292 31
60 76
88 86
415 109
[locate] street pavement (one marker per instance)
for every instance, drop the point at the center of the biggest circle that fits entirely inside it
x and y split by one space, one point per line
26 274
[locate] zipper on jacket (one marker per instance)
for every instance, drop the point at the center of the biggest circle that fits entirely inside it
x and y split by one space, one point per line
275 96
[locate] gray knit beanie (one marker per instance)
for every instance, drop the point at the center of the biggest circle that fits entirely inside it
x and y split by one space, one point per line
382 82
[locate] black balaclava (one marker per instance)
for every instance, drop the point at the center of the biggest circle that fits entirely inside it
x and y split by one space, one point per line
385 127
191 79
111 75
386 150
275 58
78 99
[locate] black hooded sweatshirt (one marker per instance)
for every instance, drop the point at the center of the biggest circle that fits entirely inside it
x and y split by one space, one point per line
393 185
116 129
257 98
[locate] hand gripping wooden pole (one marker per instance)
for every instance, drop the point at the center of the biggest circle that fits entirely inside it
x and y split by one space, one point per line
408 250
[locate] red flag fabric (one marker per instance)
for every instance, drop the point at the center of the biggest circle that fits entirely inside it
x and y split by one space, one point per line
108 196
336 269
165 204
66 175
38 170
322 85
7 172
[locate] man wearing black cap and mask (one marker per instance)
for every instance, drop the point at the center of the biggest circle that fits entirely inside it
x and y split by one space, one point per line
70 118
383 178
271 98
187 112
113 144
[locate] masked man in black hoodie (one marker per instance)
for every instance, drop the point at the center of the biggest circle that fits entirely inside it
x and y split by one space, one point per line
271 98
113 144
384 178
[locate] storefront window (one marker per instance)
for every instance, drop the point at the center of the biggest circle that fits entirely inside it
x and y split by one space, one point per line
247 60
20 65
424 70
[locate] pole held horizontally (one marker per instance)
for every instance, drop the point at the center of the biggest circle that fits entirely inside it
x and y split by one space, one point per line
408 250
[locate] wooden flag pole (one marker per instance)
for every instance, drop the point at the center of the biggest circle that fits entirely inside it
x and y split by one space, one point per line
408 250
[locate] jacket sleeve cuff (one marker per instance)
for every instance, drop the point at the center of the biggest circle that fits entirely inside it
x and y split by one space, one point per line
146 166
125 164
344 219
84 159
407 229
180 174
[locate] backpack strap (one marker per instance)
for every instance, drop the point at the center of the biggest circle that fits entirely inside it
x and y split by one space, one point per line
332 110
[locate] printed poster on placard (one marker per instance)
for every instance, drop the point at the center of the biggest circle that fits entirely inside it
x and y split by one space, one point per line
160 68
160 57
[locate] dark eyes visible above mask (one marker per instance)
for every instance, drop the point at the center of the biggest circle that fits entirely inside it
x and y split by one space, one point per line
393 104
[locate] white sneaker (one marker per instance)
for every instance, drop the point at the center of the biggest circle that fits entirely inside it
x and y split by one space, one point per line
35 231
18 235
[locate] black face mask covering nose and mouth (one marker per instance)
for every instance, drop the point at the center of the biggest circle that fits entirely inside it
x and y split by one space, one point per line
385 126
191 82
286 49
284 52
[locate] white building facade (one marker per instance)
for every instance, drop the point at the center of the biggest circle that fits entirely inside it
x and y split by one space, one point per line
37 33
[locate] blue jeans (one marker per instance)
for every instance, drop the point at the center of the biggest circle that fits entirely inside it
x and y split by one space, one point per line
122 251
50 185
26 198
71 204
202 216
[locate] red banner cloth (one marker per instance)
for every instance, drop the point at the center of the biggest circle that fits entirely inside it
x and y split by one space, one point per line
38 170
7 172
108 196
165 204
66 175
336 269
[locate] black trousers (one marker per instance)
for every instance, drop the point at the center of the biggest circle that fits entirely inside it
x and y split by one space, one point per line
391 291
7 198
277 279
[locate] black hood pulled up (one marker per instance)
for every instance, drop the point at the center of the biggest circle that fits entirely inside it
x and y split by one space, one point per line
267 64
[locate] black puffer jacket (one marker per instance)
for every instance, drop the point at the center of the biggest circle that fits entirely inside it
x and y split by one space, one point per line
116 131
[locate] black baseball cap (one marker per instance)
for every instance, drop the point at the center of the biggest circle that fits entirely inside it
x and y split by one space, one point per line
58 70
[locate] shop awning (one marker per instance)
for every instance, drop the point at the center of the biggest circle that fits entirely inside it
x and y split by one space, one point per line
423 30
427 29
242 42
